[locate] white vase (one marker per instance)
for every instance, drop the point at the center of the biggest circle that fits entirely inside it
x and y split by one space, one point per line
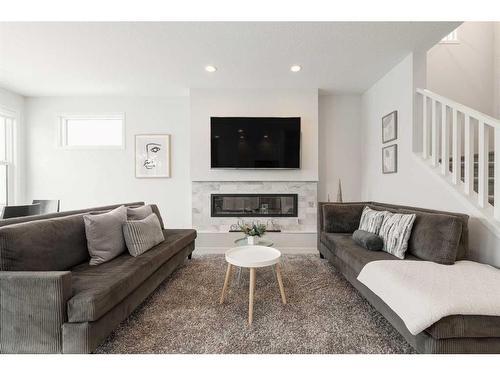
251 240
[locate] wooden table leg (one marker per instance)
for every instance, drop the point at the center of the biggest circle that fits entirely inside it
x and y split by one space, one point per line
226 282
280 283
250 295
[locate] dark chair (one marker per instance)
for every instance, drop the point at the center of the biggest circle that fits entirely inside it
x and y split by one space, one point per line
19 211
48 206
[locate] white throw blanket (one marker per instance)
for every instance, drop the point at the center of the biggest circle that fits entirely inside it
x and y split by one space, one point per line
421 293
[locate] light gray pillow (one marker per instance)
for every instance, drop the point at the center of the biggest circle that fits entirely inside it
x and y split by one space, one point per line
142 235
396 231
104 235
371 220
139 213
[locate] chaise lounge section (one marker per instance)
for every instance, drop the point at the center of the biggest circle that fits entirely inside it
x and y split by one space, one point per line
431 230
53 301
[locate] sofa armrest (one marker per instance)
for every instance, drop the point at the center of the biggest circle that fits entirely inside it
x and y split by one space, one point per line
33 310
340 217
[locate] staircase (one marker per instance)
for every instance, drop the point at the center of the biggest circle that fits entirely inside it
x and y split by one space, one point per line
491 174
467 139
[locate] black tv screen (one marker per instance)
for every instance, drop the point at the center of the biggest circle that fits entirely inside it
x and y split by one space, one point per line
255 142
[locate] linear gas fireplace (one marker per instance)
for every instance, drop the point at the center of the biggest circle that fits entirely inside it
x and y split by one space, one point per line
254 205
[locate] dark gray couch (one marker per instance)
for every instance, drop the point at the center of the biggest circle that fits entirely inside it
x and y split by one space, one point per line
435 230
52 301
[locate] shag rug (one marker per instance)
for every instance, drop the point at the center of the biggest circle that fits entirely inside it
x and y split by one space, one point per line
324 314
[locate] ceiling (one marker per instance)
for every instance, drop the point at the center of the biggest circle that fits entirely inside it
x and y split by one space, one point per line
168 58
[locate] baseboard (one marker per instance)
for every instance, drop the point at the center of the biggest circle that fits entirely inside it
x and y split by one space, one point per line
284 250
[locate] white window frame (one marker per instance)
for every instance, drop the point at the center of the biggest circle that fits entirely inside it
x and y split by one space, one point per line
10 159
62 130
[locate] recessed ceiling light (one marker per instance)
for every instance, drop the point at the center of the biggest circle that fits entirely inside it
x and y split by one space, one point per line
295 68
210 68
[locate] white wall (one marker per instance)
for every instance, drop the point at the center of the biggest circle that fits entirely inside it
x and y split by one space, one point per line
250 102
414 184
464 72
86 178
13 102
339 147
496 67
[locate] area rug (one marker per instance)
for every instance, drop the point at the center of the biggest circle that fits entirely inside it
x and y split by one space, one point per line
324 314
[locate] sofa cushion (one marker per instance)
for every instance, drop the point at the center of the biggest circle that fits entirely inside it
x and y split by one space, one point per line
104 234
355 256
341 218
97 289
142 235
435 237
456 326
55 244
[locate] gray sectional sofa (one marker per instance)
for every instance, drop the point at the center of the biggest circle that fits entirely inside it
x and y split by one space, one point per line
52 301
437 231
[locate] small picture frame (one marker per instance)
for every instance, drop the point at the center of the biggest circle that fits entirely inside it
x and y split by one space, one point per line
390 127
390 159
152 156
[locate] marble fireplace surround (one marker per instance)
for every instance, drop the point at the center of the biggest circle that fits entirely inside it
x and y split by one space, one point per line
307 204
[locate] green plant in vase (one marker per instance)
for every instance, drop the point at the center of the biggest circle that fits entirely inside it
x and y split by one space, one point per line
253 230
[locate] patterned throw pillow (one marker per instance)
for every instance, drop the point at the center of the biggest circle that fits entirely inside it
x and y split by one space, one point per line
142 235
371 220
395 231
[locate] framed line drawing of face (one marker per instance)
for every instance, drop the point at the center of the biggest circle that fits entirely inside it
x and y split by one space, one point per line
152 155
390 159
390 127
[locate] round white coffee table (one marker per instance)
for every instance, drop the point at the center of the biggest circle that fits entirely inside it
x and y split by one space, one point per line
252 257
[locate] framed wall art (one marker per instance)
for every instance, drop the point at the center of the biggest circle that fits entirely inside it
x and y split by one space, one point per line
152 155
390 159
390 127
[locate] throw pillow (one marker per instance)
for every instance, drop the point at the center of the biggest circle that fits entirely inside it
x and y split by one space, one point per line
368 240
142 235
371 220
395 231
435 237
139 213
104 235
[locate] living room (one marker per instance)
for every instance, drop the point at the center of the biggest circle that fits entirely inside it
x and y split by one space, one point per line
249 187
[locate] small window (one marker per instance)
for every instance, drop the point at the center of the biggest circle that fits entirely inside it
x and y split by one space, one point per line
105 131
451 38
7 122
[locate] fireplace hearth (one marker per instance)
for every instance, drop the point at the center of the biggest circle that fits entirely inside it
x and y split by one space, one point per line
254 205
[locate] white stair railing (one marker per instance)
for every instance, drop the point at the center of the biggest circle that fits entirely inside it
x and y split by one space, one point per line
444 120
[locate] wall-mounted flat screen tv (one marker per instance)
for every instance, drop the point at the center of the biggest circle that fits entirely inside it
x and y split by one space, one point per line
255 142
